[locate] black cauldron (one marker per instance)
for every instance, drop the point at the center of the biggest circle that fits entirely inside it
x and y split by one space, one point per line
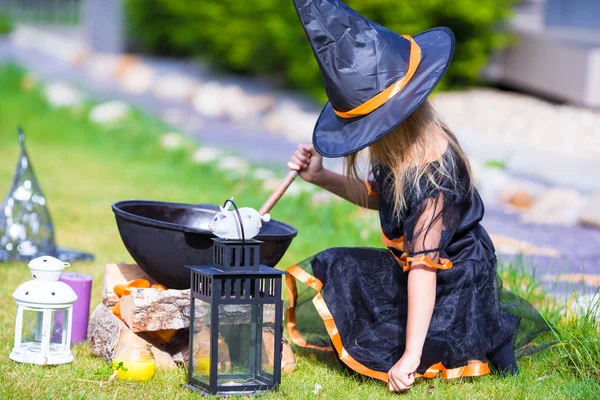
165 237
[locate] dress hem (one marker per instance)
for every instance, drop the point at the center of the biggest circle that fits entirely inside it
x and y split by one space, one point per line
473 368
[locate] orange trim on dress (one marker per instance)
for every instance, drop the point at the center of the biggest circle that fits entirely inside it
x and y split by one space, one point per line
473 368
405 261
382 97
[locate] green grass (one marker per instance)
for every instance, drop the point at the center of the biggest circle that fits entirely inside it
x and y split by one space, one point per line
84 168
6 24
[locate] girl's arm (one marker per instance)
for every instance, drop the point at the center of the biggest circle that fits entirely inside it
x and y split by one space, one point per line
421 300
422 281
309 164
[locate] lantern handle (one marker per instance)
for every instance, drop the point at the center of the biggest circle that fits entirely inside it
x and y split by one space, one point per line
239 218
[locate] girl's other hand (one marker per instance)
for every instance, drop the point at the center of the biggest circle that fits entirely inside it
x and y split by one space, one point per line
307 162
402 375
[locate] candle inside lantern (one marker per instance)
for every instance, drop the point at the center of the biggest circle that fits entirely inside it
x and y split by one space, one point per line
82 286
202 365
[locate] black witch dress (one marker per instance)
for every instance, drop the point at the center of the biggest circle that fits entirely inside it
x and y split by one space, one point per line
359 295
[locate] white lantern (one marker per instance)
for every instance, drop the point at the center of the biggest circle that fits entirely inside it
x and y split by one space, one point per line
44 315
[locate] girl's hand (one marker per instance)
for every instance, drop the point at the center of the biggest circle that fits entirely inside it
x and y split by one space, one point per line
307 162
402 375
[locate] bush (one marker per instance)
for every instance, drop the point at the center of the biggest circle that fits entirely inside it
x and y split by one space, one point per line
265 37
6 25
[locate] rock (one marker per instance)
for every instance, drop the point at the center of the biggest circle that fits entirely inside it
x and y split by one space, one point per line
234 164
590 212
263 174
152 310
109 112
137 79
278 121
490 182
521 200
175 88
587 279
507 245
102 66
172 140
62 95
208 100
206 154
236 104
555 206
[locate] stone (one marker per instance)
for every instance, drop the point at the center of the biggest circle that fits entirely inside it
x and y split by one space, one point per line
236 103
102 67
234 164
587 279
109 112
278 121
172 140
490 182
206 155
62 95
208 100
556 206
153 310
137 79
175 88
521 200
263 174
511 246
590 212
117 274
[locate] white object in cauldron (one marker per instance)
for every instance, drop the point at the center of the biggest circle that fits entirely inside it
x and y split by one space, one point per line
226 226
44 315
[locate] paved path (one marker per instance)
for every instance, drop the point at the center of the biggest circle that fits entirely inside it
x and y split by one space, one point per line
579 247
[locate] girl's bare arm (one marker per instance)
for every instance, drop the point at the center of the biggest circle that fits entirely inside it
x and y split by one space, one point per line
309 164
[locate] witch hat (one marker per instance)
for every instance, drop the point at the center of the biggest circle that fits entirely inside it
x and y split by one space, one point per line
374 78
26 229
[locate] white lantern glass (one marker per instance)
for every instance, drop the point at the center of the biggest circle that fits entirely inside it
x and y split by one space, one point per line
44 315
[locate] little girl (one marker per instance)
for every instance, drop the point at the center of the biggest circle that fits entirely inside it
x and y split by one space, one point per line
431 303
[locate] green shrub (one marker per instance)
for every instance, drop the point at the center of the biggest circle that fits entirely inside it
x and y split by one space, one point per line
265 37
6 24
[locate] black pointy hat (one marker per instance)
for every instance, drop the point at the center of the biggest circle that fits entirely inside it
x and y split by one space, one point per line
374 78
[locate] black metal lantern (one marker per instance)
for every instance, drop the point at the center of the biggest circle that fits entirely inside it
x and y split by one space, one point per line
235 322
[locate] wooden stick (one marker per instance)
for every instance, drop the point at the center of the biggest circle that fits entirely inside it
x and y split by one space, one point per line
277 193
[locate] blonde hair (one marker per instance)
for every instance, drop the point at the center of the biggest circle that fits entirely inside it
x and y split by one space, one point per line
408 150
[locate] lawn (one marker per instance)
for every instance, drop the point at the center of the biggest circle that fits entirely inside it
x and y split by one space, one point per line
83 168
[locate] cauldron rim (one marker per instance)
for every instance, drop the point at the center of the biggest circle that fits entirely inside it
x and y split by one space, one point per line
145 221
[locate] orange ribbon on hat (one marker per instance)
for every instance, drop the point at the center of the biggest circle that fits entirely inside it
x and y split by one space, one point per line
380 98
121 290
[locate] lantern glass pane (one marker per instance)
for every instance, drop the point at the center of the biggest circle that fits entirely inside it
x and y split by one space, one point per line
59 323
32 326
268 337
246 351
200 357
